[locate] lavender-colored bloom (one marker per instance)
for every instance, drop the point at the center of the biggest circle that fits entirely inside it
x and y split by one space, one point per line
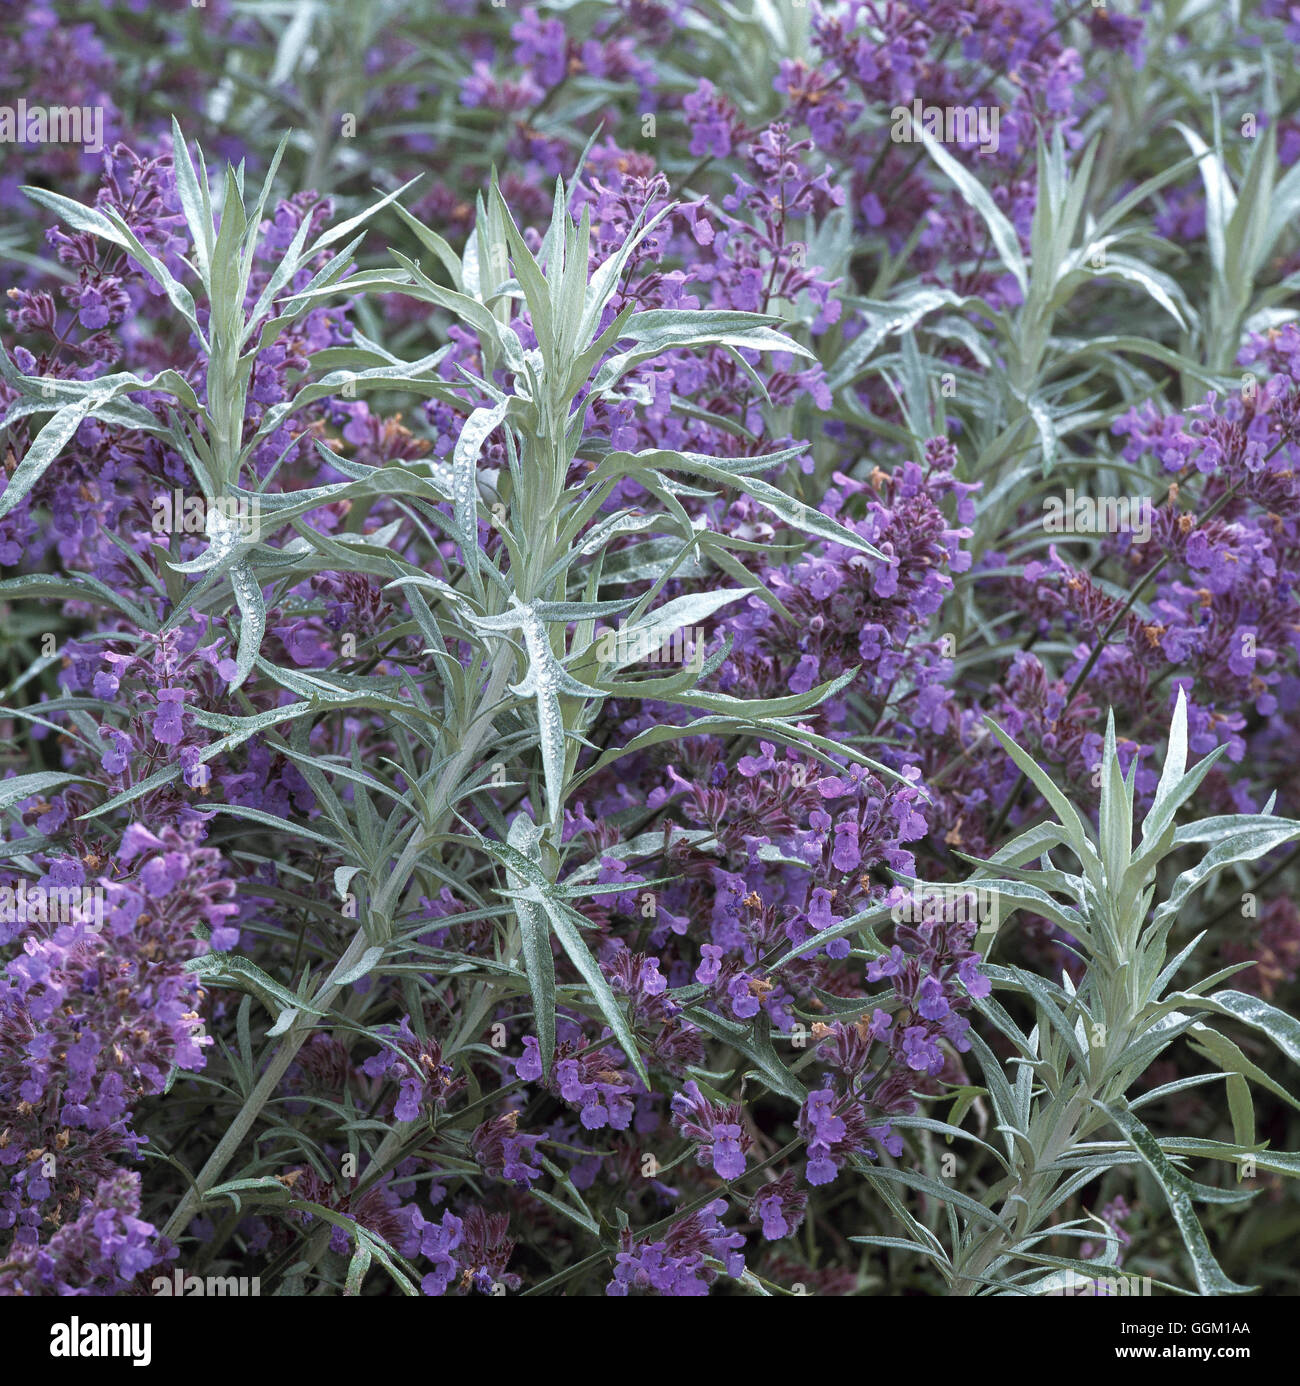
718 1129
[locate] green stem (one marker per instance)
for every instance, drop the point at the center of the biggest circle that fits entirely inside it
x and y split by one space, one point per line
296 1035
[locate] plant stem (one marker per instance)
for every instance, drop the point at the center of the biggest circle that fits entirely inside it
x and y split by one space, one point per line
296 1035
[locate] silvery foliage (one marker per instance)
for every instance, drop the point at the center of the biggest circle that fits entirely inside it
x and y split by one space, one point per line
534 678
1062 1113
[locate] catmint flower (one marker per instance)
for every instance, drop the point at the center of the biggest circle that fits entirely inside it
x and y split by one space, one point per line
423 1078
975 982
168 726
676 1264
933 1004
708 970
501 1151
779 1207
920 1052
722 1139
529 1065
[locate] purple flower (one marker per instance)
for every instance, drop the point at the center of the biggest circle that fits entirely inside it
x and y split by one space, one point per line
718 1130
805 674
168 724
932 1004
820 1115
779 1207
707 972
500 1150
529 1065
975 982
541 47
676 1265
920 1052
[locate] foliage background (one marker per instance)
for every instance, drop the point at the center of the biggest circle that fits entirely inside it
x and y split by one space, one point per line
960 336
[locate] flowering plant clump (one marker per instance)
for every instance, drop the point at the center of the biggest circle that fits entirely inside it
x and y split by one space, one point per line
650 649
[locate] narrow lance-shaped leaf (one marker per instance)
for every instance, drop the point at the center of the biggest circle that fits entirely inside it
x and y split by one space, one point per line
231 970
1281 1028
545 680
42 451
22 787
564 921
465 480
1179 1192
644 637
252 627
535 937
1001 232
786 508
